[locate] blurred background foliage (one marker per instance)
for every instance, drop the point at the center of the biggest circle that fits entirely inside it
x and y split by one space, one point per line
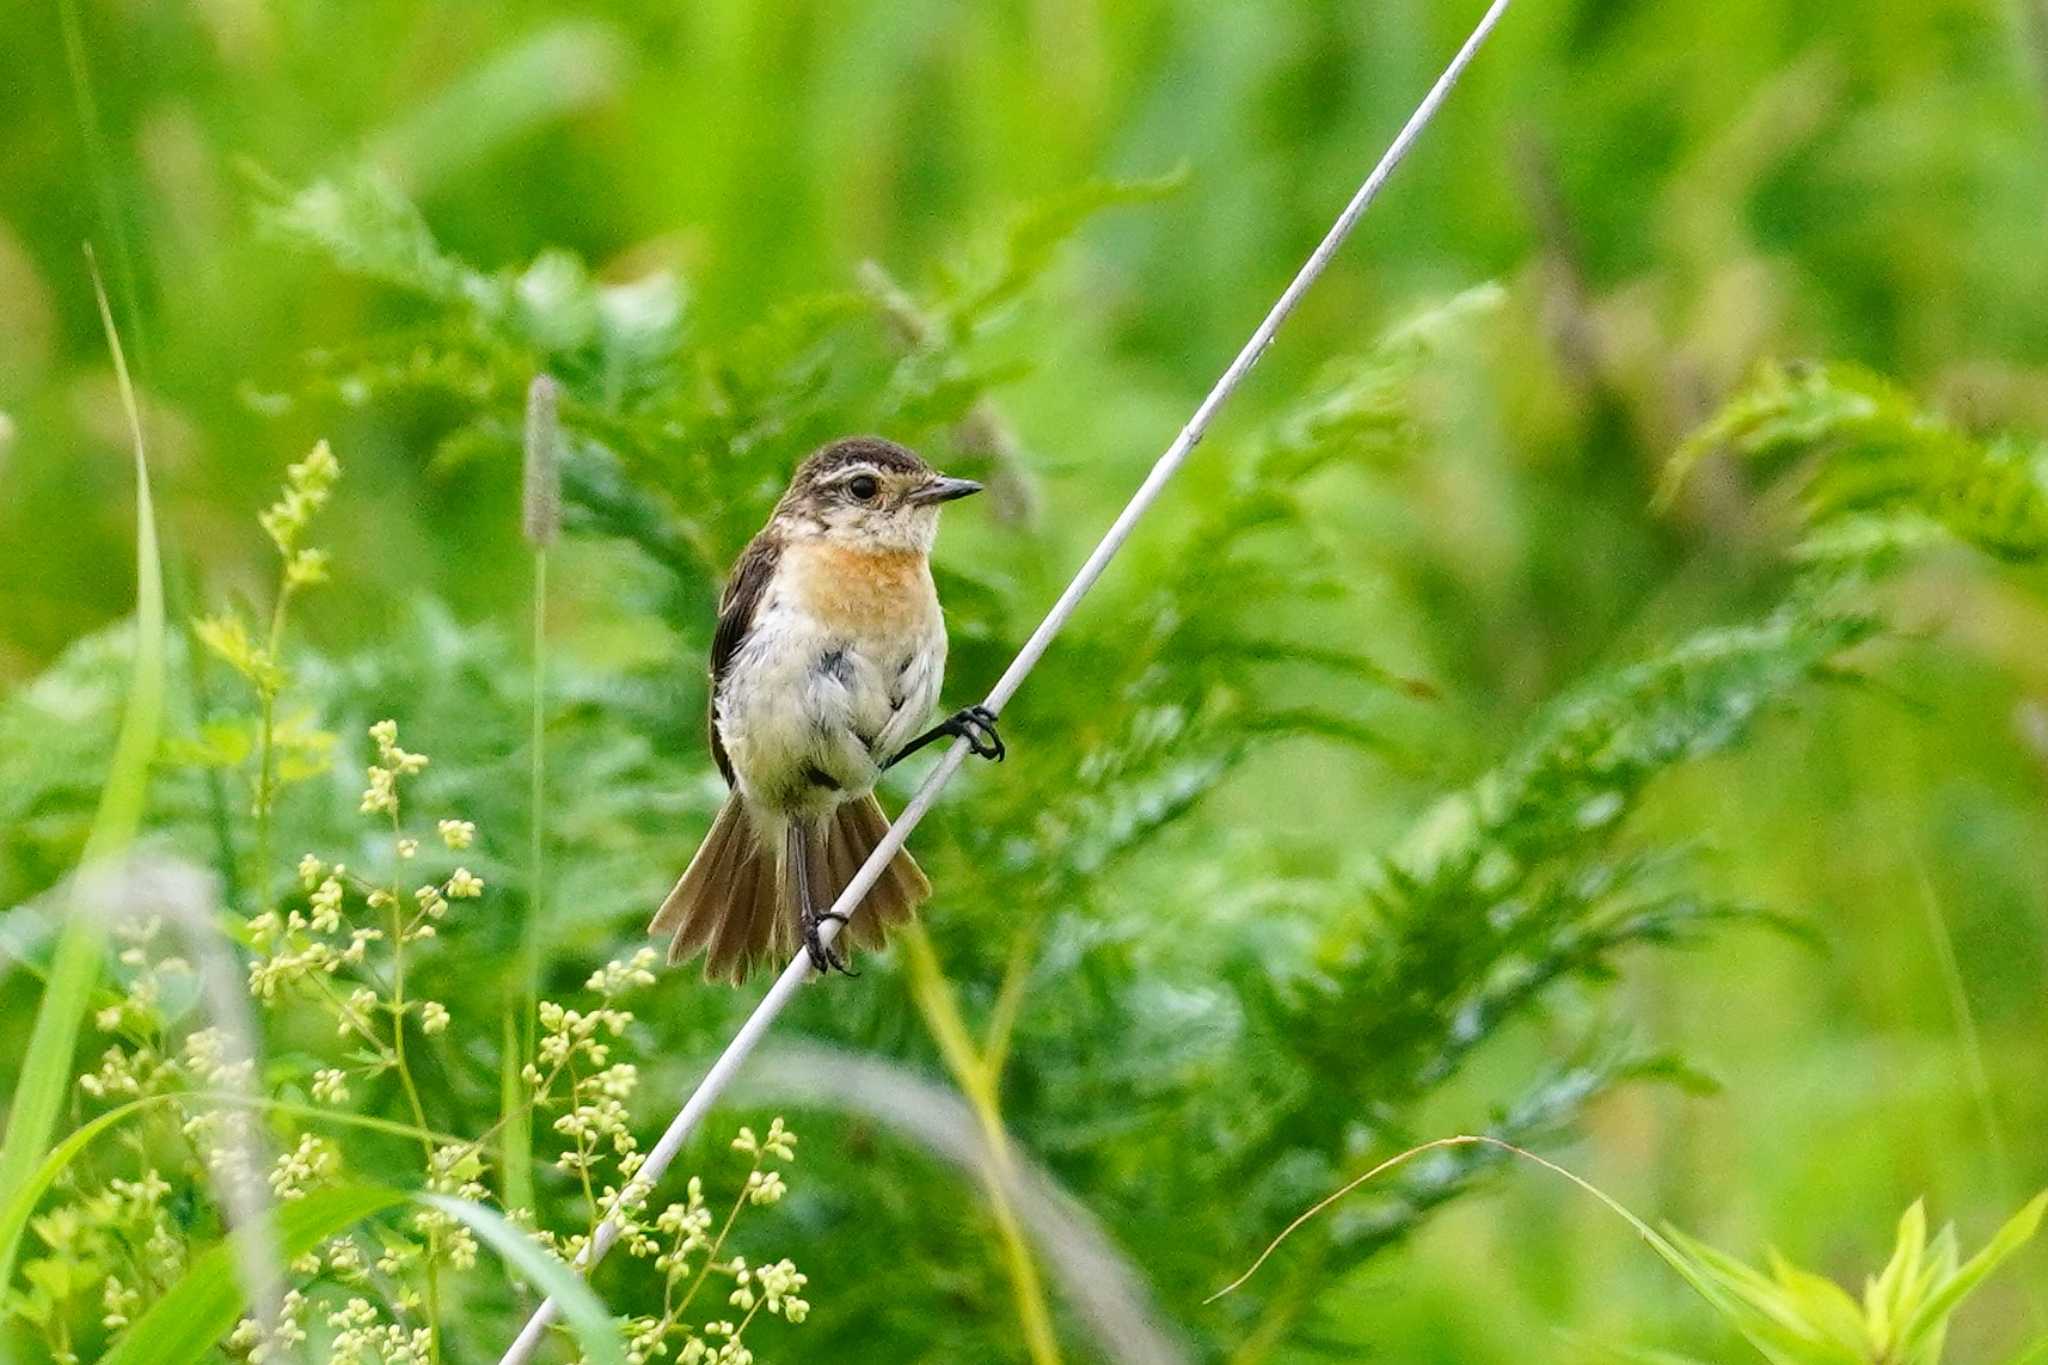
1251 941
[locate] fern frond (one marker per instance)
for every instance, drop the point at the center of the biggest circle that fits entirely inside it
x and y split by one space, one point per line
1592 751
1875 452
973 291
1363 408
616 345
366 226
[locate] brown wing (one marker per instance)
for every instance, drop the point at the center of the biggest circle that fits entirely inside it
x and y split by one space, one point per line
735 618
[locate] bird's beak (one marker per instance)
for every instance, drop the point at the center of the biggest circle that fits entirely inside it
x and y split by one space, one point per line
943 489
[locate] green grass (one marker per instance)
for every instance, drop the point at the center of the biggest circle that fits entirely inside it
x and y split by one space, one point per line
46 1066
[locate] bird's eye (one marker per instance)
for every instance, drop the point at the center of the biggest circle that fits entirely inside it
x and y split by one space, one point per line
863 486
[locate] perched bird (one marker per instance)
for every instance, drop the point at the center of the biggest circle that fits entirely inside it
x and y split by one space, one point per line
826 663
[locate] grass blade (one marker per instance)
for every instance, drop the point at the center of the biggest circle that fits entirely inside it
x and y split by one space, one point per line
515 1147
75 964
23 1196
595 1331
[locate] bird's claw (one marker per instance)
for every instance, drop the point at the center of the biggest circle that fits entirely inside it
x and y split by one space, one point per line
825 959
977 725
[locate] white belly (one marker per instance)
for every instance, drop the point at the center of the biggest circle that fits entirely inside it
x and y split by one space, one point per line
808 713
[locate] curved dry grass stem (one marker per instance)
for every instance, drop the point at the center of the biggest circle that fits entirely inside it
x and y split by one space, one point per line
1674 1257
1308 1214
1648 1233
799 970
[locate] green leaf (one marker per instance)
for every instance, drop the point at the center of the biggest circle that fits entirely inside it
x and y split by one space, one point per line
1942 1299
303 750
1888 1299
555 304
1768 1316
1824 1305
227 637
75 965
21 1198
516 1145
595 1330
1038 230
209 1298
2032 1355
224 743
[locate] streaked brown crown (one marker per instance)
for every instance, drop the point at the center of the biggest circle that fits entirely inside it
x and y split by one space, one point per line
884 457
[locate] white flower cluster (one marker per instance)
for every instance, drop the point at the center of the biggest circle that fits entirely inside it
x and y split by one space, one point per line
772 1287
616 978
215 1059
296 1172
780 1142
251 1342
363 1337
597 1119
137 1065
574 1035
128 1072
309 948
765 1187
296 947
685 1249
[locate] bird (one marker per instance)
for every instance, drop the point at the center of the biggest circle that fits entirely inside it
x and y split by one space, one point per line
828 657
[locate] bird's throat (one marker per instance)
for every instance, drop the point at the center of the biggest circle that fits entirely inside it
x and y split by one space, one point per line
860 591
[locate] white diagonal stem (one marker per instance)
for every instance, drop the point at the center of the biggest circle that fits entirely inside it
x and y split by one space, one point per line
779 995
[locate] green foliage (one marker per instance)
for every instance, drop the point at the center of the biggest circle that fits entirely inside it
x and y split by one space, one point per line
1791 1316
56 736
1302 1034
1794 1317
618 341
270 750
1204 995
1879 467
1481 918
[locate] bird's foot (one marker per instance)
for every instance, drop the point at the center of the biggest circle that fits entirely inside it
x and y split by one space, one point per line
977 725
825 959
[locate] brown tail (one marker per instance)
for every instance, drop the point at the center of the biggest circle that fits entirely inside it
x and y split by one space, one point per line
736 902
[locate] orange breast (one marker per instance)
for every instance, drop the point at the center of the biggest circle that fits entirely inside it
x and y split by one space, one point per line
867 593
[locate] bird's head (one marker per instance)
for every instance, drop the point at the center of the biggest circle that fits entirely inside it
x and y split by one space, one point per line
869 494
